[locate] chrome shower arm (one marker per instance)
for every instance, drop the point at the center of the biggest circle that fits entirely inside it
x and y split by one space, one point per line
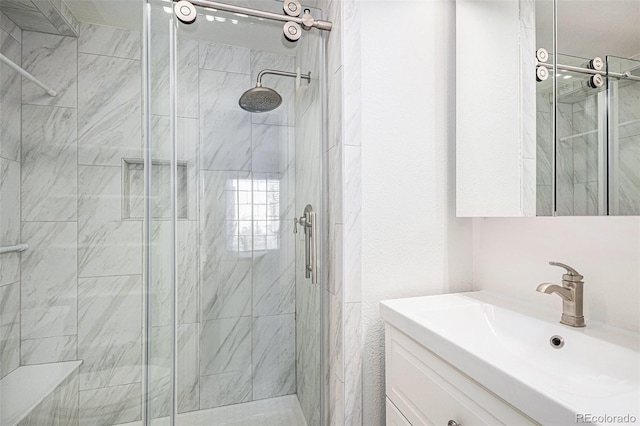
306 76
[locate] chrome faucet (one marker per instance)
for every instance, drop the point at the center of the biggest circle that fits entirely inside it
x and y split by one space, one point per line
571 293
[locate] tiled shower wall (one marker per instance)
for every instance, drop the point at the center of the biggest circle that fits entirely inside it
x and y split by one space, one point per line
247 260
577 150
10 165
82 275
80 296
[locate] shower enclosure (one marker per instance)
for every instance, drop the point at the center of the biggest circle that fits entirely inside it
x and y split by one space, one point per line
596 151
149 270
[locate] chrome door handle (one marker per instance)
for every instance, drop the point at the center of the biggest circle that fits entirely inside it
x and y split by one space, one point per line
453 423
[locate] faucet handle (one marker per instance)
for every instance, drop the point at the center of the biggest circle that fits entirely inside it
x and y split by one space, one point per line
571 275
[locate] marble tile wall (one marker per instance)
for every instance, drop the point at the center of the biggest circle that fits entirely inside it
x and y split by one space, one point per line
629 149
81 290
10 169
47 16
341 275
237 295
247 296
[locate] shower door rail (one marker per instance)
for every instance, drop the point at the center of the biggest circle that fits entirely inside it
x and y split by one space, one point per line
319 24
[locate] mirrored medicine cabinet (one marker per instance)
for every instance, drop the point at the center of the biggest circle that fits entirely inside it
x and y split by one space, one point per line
547 108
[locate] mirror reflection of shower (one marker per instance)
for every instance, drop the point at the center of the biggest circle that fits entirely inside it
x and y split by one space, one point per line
265 99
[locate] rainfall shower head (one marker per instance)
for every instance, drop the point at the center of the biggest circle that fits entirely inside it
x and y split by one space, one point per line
265 99
260 99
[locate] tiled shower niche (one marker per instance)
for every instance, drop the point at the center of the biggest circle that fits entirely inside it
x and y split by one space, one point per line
133 189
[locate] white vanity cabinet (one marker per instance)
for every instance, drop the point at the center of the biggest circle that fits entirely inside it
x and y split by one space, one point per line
423 389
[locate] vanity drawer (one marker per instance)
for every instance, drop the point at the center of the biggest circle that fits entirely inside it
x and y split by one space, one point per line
429 391
394 417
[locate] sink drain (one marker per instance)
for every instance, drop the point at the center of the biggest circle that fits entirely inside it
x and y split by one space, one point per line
556 341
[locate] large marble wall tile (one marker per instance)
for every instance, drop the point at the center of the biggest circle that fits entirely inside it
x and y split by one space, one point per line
585 202
585 158
528 197
544 148
225 346
109 41
335 404
109 110
64 24
333 41
187 151
161 283
187 84
11 99
48 349
10 27
270 146
111 405
336 336
308 377
353 364
160 364
49 168
543 200
273 283
352 229
187 273
49 279
225 129
286 86
564 181
27 5
30 20
9 219
188 276
53 60
9 328
99 195
109 247
223 57
188 386
334 113
629 176
225 389
225 197
106 245
273 356
110 331
226 289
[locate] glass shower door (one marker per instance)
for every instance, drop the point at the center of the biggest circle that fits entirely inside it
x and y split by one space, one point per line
624 137
580 143
235 329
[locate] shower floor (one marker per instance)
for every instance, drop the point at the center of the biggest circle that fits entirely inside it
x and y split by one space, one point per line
281 411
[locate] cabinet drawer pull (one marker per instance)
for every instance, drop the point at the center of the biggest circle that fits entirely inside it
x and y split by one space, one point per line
453 423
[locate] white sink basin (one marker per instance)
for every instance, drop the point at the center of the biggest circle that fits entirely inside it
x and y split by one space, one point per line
510 354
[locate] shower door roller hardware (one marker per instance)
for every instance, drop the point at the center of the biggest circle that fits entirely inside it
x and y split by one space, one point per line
307 20
185 12
542 73
595 81
292 31
542 55
292 7
308 223
596 64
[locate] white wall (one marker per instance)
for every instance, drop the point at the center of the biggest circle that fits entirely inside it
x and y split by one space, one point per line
412 244
511 256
